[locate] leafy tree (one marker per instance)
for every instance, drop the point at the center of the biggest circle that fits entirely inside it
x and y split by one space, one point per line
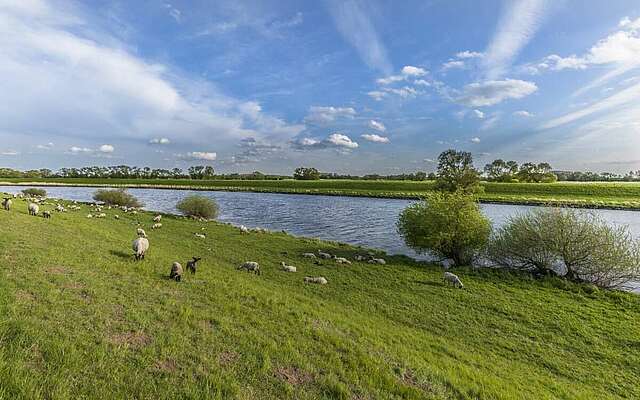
501 171
35 192
449 225
456 172
530 172
116 197
196 172
198 207
306 174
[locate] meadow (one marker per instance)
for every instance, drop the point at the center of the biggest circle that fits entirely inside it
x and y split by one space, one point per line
617 195
81 319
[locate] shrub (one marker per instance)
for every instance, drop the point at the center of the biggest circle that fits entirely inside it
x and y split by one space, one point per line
198 206
35 192
575 244
116 197
449 225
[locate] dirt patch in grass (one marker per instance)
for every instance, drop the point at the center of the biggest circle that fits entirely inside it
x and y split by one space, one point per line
169 365
58 270
293 375
73 285
24 296
36 359
227 358
409 378
131 339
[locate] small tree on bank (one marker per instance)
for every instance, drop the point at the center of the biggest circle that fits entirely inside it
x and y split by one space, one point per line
456 172
306 174
35 192
448 225
198 207
116 197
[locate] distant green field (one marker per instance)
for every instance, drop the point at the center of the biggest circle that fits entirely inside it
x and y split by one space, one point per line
79 319
580 194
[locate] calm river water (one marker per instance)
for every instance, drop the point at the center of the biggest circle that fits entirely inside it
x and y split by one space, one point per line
360 221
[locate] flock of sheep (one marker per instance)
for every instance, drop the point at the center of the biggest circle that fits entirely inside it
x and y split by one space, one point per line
141 244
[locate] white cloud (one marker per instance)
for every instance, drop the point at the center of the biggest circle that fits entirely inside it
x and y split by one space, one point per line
174 12
377 95
516 27
198 156
475 140
453 64
159 141
46 146
318 114
408 71
421 82
479 114
490 122
78 150
106 148
488 93
375 138
9 153
378 126
341 140
522 113
404 92
336 140
469 54
356 27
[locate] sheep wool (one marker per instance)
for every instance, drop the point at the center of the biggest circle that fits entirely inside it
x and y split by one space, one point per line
140 247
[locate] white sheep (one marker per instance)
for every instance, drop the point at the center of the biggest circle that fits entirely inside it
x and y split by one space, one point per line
6 204
250 266
243 229
452 279
176 272
101 215
140 247
89 215
157 218
33 209
377 261
309 255
46 214
316 279
141 233
324 255
341 260
60 208
358 257
157 225
200 235
288 268
116 216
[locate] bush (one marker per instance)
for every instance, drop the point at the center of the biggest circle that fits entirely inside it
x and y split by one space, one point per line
449 225
574 244
198 206
116 197
35 192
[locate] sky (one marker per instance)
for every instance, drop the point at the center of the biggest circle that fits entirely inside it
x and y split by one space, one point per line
353 86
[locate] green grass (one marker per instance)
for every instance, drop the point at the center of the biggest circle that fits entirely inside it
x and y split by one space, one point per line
80 319
624 195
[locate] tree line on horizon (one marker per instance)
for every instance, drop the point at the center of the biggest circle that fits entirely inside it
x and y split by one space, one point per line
497 171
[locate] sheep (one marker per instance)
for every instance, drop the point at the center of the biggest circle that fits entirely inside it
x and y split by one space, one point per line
140 247
250 266
101 215
309 255
116 216
60 208
243 229
191 265
176 272
324 255
157 218
377 261
46 214
157 225
33 209
288 268
316 279
6 203
200 235
141 233
358 257
452 279
89 215
341 260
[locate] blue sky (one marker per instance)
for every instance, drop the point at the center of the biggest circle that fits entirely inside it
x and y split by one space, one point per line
346 86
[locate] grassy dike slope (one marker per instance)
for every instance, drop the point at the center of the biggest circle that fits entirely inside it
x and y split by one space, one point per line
79 318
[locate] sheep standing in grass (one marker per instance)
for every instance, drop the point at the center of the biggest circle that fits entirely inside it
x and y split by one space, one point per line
324 255
6 204
243 229
321 280
157 218
176 272
341 260
33 209
157 225
309 255
250 266
46 214
452 279
288 268
141 233
191 265
140 247
377 261
200 235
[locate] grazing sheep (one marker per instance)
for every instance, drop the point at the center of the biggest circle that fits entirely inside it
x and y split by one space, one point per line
250 266
191 265
309 255
243 229
358 257
377 261
200 235
321 254
46 214
101 215
89 215
33 209
176 272
157 225
140 247
6 203
116 216
452 279
59 208
288 268
341 260
316 279
157 218
141 233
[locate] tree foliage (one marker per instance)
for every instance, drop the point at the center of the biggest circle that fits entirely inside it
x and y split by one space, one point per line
456 172
198 206
448 225
501 171
35 192
306 174
537 173
116 197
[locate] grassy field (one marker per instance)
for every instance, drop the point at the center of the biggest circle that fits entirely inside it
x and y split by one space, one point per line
623 195
81 319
